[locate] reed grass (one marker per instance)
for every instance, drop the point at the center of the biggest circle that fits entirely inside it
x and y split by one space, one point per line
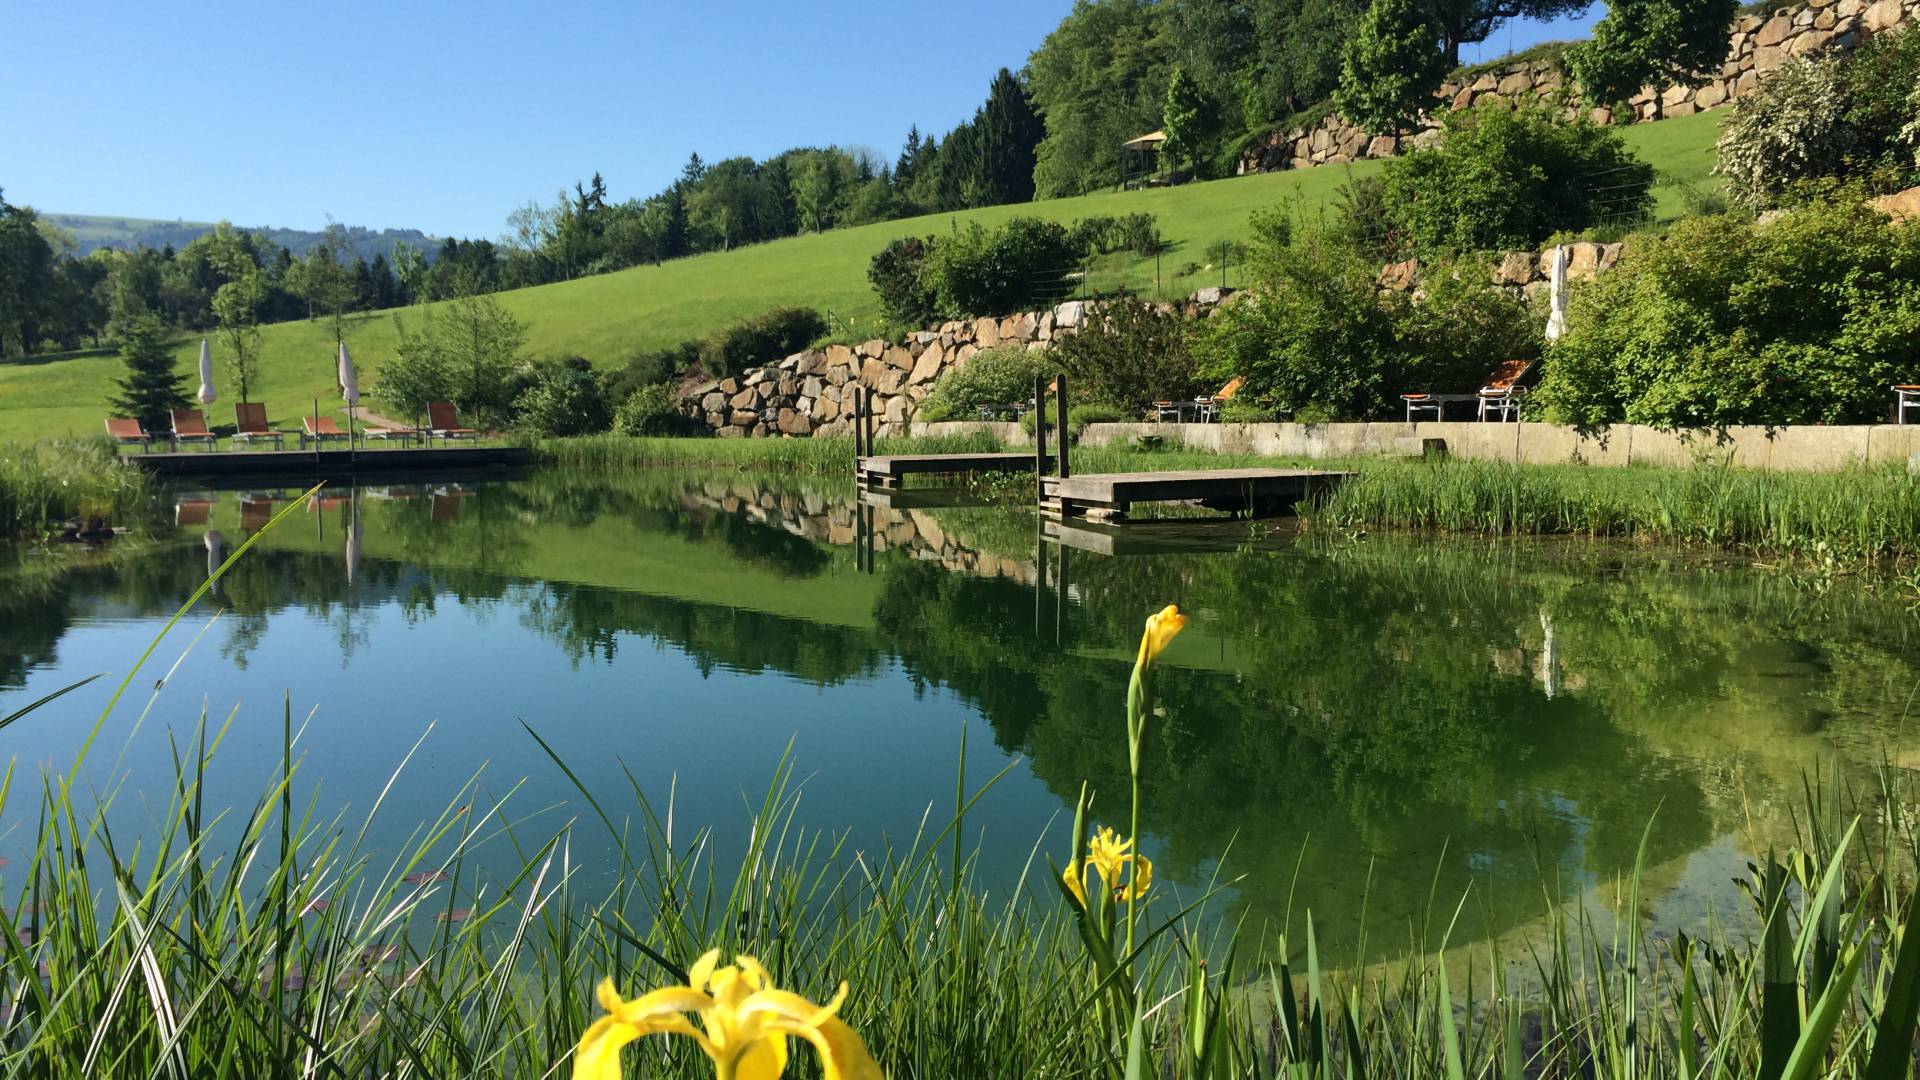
45 484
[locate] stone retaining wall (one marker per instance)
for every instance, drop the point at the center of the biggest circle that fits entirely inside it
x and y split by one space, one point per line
1525 272
1760 43
812 392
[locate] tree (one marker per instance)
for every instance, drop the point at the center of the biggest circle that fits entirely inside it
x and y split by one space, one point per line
26 279
326 284
1007 134
1099 79
152 385
1652 43
1188 120
1389 69
236 304
1463 22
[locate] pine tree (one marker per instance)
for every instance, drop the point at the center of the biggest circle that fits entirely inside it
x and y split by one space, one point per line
1188 120
1389 68
903 170
1006 134
152 386
1652 43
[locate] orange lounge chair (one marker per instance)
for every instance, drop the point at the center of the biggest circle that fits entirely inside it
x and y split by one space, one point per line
125 431
1209 407
1501 396
193 512
250 425
320 429
190 425
444 423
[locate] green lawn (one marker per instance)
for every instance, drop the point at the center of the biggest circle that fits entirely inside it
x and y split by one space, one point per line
607 317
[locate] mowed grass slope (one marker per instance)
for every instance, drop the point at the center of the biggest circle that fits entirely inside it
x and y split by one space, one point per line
608 317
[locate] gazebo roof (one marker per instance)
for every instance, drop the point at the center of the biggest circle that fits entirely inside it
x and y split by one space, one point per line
1150 141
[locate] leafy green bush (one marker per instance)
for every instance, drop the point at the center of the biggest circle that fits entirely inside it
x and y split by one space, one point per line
1460 329
762 339
1508 177
1128 354
897 273
1079 416
1807 319
990 377
1104 234
655 410
649 367
1316 338
1843 115
1022 264
563 398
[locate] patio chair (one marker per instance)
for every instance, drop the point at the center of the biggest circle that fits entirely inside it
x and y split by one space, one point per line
125 431
250 425
190 425
1166 412
443 423
1904 398
320 430
1501 396
1208 408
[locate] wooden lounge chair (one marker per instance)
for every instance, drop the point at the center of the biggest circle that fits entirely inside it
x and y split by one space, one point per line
1501 396
190 425
320 430
193 512
443 423
250 425
125 431
1904 398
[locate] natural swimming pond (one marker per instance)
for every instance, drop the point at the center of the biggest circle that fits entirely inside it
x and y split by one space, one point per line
1361 723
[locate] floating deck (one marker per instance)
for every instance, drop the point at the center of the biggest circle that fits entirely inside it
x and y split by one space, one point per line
888 470
327 464
1110 496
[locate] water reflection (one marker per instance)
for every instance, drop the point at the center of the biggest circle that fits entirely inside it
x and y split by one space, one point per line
1381 720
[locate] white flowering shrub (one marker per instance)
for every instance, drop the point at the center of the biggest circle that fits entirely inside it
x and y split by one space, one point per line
1793 126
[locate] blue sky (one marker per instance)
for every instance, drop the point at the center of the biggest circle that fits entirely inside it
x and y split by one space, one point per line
444 116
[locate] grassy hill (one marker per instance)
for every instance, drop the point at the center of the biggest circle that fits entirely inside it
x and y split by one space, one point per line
607 317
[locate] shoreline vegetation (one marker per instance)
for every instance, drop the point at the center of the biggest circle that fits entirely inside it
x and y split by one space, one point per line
278 939
1863 514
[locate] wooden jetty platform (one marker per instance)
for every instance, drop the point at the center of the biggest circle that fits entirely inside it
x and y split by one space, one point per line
887 471
327 464
1110 496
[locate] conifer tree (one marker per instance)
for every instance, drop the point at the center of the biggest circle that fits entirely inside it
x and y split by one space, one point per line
152 385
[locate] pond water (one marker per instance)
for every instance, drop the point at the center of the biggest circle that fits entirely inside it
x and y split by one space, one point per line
1360 722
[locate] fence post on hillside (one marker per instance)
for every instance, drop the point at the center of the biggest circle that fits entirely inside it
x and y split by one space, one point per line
1060 409
1039 436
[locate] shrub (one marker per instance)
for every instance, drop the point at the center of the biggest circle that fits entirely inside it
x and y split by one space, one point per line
1129 354
563 398
764 338
1104 234
1842 115
1079 416
989 377
655 410
1459 329
1024 263
1365 218
649 367
1805 320
1509 177
1316 338
897 273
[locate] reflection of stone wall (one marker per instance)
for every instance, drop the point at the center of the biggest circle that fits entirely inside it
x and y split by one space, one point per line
812 393
1759 45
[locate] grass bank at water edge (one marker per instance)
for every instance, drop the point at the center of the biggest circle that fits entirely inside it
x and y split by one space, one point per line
44 485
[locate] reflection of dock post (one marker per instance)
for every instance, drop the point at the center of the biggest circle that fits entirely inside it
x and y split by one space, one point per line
1060 590
1039 571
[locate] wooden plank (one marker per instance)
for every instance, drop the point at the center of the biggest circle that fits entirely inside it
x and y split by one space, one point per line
903 464
329 463
1119 489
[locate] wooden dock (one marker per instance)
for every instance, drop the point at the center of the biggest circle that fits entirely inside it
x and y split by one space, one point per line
1110 496
888 470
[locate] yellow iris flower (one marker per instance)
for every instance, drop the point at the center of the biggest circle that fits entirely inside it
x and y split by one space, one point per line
744 1025
1162 627
1112 858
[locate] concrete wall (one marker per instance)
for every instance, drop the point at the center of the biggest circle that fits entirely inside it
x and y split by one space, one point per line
1799 449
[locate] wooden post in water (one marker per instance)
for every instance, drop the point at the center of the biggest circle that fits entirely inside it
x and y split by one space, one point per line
859 450
1060 407
1039 436
866 416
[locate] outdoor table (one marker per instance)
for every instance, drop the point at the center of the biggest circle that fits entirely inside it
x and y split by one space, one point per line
1436 402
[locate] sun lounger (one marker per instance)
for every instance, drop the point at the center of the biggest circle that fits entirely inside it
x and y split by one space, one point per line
1500 398
193 511
1904 398
250 425
320 430
125 431
190 425
1207 409
443 423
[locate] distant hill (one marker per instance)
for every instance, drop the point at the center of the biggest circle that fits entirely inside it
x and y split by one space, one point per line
93 231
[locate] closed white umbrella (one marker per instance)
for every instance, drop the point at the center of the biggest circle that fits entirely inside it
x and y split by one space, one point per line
206 374
1557 296
349 390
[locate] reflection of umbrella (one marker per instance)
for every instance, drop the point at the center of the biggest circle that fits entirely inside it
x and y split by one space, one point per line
206 374
353 540
216 553
1548 656
1557 295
